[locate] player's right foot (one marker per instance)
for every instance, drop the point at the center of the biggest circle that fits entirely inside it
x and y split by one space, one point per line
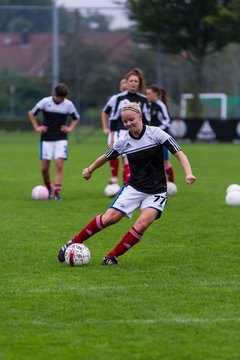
113 180
110 260
61 254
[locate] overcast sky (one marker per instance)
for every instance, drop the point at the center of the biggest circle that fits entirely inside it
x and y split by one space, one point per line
120 18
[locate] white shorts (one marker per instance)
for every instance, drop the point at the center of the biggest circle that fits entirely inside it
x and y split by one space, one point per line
130 199
54 150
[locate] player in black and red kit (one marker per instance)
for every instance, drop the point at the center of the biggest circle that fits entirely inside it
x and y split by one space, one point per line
54 130
160 116
143 145
111 116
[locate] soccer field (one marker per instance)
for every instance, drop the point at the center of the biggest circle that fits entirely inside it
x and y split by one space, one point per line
173 296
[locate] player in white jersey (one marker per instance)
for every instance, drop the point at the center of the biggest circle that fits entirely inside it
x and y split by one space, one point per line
54 130
143 145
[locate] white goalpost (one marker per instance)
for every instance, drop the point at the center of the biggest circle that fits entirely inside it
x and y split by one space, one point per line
208 96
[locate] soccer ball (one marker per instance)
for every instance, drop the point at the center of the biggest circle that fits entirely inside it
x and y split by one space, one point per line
77 255
233 187
111 190
40 193
171 188
233 198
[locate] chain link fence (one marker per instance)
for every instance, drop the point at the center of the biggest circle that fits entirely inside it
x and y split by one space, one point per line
89 51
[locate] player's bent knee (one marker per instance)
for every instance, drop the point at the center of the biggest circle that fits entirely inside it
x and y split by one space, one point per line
110 218
141 225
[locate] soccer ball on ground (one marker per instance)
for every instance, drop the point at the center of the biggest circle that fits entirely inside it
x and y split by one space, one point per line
40 192
77 255
233 187
111 190
232 198
171 189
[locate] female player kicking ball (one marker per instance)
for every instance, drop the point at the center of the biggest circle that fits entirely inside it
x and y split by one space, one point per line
146 189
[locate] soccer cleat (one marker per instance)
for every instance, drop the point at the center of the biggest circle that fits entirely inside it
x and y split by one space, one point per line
113 180
57 197
50 193
110 261
61 254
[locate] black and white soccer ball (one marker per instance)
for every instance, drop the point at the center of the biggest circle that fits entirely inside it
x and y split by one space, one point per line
40 192
77 255
232 197
233 187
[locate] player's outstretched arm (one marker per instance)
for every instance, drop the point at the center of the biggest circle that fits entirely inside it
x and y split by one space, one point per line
87 172
189 177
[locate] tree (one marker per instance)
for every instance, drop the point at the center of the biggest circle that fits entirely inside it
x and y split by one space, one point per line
197 28
18 17
19 92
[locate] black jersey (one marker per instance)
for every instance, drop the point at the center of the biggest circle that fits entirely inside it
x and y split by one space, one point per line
114 106
160 115
145 156
54 116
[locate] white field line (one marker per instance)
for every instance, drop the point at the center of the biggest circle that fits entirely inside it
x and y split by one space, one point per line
142 321
162 320
63 287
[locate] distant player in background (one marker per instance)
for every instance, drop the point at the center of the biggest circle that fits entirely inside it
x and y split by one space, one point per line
54 129
147 187
160 117
111 117
123 85
114 164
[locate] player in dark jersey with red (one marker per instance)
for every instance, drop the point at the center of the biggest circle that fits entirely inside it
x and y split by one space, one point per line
146 190
111 116
160 116
54 130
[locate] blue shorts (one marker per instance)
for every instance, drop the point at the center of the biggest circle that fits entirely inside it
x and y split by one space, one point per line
166 153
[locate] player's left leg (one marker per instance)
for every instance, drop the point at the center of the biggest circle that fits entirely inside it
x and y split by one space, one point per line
126 170
114 164
133 236
60 154
45 167
58 178
46 155
169 170
151 207
167 165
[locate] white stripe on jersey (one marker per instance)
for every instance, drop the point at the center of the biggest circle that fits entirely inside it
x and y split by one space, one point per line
174 144
140 149
152 136
48 105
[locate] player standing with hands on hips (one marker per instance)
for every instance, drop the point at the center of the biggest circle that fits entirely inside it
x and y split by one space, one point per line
54 130
143 145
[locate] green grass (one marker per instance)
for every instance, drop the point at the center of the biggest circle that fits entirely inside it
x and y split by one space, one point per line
173 296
